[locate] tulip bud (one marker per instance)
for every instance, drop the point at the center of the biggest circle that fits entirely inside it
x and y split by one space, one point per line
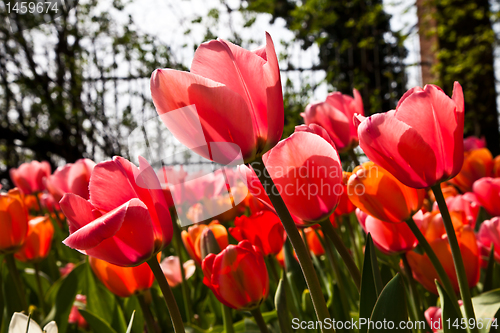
208 243
192 238
38 242
13 221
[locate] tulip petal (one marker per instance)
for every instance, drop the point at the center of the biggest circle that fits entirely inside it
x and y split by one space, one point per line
78 211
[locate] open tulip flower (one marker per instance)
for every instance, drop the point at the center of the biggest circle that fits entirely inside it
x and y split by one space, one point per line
38 241
237 276
125 222
489 234
388 237
478 163
379 194
123 281
13 221
19 324
71 178
335 116
487 191
420 151
233 93
29 176
192 237
263 229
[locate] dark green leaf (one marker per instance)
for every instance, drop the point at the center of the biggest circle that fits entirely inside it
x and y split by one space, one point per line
281 308
131 305
369 293
65 298
449 314
96 323
490 271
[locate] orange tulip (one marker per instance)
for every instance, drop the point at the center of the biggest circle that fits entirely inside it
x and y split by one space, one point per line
379 194
496 167
434 232
123 281
345 205
13 221
313 241
478 163
38 242
191 238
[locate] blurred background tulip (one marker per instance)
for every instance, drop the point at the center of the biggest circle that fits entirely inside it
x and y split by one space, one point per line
237 276
122 281
192 238
419 151
478 163
75 317
29 176
488 235
472 142
71 178
335 116
172 270
313 242
13 221
38 241
487 191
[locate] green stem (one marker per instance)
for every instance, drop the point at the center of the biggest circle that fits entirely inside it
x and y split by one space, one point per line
443 277
227 318
297 243
184 287
457 256
259 320
41 296
343 251
11 265
148 317
415 296
175 314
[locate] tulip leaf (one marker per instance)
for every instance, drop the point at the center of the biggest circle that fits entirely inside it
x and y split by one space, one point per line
132 307
118 322
99 300
161 310
294 271
449 314
96 323
370 288
486 308
281 308
29 276
490 280
390 308
131 323
64 300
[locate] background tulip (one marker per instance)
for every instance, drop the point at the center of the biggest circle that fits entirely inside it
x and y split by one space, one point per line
263 229
465 204
379 194
421 142
74 316
38 241
489 234
237 276
388 237
235 94
496 167
478 163
172 270
345 205
313 242
191 238
487 191
335 116
124 222
71 178
472 142
29 176
123 281
13 221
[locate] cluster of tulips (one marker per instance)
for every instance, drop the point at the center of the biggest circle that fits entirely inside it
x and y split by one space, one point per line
311 236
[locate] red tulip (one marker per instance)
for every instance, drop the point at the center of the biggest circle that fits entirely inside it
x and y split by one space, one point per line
263 229
478 163
235 94
420 142
489 234
74 316
123 281
472 142
335 115
38 241
191 238
13 221
172 270
71 178
313 242
379 194
29 176
307 173
126 220
237 276
487 191
390 238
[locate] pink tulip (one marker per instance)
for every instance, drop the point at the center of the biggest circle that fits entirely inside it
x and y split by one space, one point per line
71 178
489 234
126 220
388 237
29 176
462 203
235 94
472 142
307 173
433 316
172 270
335 115
420 142
487 191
